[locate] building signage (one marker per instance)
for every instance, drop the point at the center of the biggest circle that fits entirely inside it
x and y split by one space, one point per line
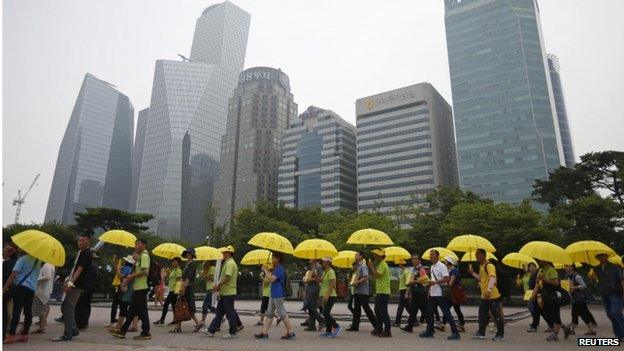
255 75
377 101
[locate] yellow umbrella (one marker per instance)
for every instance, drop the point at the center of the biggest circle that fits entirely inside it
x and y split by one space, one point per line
41 246
562 266
168 250
315 249
443 253
616 260
256 257
585 251
469 242
119 237
518 260
344 259
472 257
271 241
545 251
370 237
396 254
208 253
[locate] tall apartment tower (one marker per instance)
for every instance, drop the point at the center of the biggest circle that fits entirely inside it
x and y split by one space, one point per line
259 113
560 107
505 121
319 165
93 167
405 149
137 155
187 118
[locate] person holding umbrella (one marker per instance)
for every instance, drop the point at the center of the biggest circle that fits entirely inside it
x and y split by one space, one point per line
362 293
611 288
277 277
187 292
173 278
328 293
226 287
578 292
546 290
380 270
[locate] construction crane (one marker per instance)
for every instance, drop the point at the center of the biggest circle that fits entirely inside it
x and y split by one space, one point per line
21 199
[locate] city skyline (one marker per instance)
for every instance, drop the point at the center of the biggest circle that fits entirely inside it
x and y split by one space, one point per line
583 79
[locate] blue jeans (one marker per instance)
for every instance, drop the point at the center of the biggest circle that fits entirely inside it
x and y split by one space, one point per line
613 306
225 307
432 305
207 305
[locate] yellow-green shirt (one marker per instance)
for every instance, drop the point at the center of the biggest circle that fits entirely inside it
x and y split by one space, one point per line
328 276
229 269
485 272
210 278
550 273
406 273
143 263
174 275
382 283
266 287
525 281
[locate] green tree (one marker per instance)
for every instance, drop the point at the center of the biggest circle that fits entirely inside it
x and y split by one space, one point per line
563 184
105 219
443 199
606 172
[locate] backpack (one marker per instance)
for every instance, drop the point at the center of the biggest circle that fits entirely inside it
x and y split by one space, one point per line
153 275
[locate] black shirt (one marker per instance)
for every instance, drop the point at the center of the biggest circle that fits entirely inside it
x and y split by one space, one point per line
189 272
7 268
84 260
609 279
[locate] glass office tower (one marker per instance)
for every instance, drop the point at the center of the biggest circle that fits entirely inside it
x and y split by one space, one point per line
560 107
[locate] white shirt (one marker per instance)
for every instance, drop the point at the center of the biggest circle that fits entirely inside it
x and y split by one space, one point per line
45 282
438 271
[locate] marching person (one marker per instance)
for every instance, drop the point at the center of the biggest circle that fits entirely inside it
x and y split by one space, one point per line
328 293
490 297
439 277
362 292
41 303
9 256
578 292
404 277
277 277
416 294
313 290
457 288
266 295
116 283
126 289
226 287
173 281
529 280
548 282
208 274
611 288
22 283
380 270
187 291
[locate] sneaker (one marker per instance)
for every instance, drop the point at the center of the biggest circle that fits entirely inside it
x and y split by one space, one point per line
425 335
374 332
407 329
498 338
159 323
566 331
478 336
552 337
239 328
143 337
208 334
531 329
261 336
289 336
118 335
62 338
385 335
325 335
454 336
337 331
231 336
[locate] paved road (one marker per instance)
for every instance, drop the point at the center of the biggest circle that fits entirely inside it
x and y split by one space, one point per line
95 338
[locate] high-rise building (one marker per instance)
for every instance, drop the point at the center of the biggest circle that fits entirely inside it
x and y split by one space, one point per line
505 121
187 117
319 164
259 113
560 107
137 155
405 149
93 167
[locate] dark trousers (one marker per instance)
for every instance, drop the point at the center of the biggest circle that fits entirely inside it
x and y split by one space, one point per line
169 300
458 312
330 322
22 301
350 304
401 306
433 302
551 313
207 304
116 303
381 311
83 309
138 308
361 302
613 306
68 309
5 314
487 307
313 312
225 307
418 302
579 309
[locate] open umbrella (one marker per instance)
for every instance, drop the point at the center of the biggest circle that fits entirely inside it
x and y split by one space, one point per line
344 259
443 253
208 253
41 246
168 250
469 242
396 254
472 257
616 260
585 251
545 251
118 237
271 241
370 237
315 249
518 260
256 257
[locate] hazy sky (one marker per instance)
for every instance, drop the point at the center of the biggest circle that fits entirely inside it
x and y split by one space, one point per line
333 51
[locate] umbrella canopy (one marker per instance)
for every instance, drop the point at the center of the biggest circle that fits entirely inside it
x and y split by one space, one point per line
315 249
545 251
443 253
518 260
344 259
208 253
256 257
168 250
469 242
119 237
396 254
271 241
616 260
41 246
472 257
370 237
585 251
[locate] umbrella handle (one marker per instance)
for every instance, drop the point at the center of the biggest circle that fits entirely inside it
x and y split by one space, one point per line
98 246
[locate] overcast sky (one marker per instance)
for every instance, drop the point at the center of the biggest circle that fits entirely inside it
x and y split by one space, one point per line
333 51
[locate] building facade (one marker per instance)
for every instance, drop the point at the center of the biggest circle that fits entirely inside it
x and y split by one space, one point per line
137 155
560 107
187 118
318 162
505 121
93 167
259 113
405 149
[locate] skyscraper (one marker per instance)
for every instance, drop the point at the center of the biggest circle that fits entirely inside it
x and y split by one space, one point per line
259 113
137 155
405 149
319 165
188 111
93 167
506 127
560 107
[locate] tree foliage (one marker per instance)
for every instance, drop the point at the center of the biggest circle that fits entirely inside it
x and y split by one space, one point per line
104 219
